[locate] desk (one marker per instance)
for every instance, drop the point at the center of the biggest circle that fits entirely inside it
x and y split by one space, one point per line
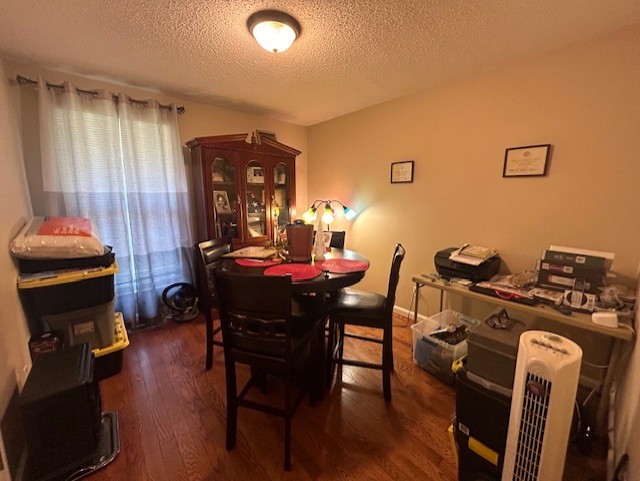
577 320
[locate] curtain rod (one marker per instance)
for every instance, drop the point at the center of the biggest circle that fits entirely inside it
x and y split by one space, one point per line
27 81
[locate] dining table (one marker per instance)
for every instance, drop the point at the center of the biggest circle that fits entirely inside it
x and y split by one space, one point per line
321 278
338 269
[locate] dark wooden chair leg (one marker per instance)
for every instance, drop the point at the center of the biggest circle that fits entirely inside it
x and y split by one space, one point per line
232 403
391 364
287 423
387 360
318 362
208 320
331 343
340 350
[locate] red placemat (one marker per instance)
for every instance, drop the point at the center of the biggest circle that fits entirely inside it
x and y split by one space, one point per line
342 266
298 272
257 262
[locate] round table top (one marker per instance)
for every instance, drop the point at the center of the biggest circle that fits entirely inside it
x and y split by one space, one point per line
325 282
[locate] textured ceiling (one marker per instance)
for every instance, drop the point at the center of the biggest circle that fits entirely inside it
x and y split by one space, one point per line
351 53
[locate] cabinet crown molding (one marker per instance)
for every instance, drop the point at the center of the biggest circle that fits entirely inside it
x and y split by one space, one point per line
238 143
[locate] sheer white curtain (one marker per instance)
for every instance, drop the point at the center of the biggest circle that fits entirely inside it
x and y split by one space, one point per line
120 164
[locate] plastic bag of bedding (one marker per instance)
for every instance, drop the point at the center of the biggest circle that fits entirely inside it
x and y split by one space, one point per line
57 238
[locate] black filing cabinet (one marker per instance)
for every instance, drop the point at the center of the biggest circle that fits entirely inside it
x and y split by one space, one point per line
482 422
60 407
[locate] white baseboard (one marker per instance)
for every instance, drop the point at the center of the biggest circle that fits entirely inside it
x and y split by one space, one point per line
405 312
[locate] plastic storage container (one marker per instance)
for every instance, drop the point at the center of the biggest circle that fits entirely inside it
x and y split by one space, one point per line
93 325
493 347
57 292
42 265
108 360
435 355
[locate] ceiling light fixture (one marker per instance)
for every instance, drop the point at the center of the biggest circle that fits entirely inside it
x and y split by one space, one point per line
275 31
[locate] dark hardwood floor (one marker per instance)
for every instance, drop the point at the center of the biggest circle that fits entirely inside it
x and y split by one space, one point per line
172 420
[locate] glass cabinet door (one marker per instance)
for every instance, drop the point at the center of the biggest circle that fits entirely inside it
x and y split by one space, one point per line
225 197
281 202
255 208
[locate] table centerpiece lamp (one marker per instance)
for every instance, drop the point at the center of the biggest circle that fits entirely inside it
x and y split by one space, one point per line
327 218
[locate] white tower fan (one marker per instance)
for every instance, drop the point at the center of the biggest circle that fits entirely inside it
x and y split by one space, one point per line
544 393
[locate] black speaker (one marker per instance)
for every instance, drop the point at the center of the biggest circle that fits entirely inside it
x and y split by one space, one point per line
60 407
482 422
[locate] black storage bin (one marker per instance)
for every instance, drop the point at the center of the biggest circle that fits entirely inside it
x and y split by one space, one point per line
30 266
93 325
51 294
482 416
492 349
109 359
60 407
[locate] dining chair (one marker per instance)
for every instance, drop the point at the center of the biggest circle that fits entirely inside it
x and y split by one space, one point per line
337 238
265 328
366 309
207 255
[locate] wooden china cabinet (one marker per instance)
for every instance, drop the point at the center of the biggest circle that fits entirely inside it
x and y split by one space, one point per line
243 189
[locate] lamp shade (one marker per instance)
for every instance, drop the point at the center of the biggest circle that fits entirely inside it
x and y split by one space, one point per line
327 217
275 31
349 213
310 215
328 214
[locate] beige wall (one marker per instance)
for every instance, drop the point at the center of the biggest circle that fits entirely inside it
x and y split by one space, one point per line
585 100
14 210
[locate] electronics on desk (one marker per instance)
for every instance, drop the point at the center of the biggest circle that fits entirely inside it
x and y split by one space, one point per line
559 267
579 301
551 280
549 296
448 268
607 319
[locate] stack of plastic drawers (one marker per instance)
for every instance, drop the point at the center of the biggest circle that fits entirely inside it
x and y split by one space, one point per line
77 305
483 396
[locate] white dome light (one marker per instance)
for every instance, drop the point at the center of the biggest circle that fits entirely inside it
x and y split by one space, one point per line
275 31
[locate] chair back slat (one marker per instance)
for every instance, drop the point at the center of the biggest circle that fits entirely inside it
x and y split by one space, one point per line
337 238
255 312
207 257
394 277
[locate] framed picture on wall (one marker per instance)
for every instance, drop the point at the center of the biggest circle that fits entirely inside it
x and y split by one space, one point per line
529 161
402 172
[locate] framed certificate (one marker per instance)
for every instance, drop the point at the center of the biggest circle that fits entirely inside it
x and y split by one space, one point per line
529 161
402 172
